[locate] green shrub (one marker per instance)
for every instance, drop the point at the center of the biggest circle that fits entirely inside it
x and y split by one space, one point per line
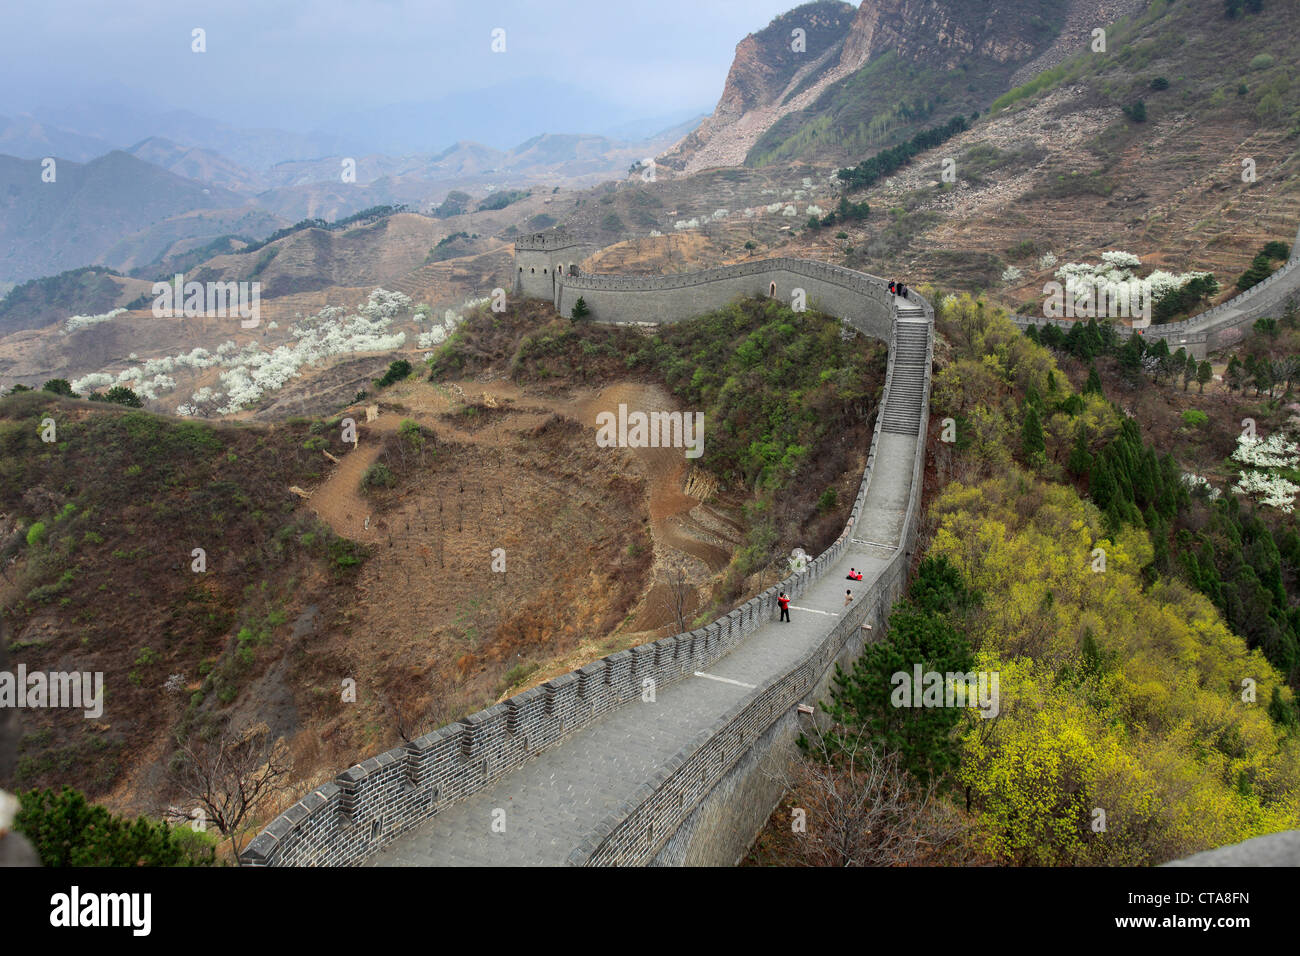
119 395
378 475
1195 418
35 534
1137 112
1160 83
1261 62
396 372
66 830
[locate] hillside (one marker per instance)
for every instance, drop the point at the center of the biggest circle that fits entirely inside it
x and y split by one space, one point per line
91 290
381 573
202 165
77 220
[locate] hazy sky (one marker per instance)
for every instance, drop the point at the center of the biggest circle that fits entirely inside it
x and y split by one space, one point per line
296 64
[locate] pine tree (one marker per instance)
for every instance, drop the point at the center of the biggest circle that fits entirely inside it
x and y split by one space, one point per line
1203 375
1080 460
1234 374
1031 437
1094 382
1102 486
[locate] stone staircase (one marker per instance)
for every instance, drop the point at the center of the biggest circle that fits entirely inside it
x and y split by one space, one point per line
907 386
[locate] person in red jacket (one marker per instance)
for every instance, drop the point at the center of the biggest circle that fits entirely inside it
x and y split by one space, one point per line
785 606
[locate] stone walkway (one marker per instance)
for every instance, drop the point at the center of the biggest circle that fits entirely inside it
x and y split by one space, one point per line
551 803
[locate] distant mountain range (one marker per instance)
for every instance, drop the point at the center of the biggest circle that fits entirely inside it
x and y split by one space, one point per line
126 208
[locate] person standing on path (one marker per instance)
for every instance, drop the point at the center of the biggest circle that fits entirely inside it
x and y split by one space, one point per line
848 598
784 601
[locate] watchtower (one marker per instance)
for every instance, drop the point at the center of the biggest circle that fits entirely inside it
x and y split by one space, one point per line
539 257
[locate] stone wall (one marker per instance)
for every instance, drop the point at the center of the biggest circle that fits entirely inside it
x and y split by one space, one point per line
835 290
372 803
712 798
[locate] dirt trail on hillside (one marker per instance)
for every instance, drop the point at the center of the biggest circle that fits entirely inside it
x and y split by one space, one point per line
339 503
688 537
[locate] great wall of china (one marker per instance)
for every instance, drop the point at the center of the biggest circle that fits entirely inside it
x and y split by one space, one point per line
587 769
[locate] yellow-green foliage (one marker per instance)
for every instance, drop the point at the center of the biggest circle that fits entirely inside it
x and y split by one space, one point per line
1115 696
1152 729
991 364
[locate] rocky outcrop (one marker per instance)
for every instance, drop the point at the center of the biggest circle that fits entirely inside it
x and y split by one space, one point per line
941 33
770 69
769 80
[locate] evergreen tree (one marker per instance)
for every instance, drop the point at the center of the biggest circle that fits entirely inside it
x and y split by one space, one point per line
1130 356
66 830
921 631
1093 384
1102 487
1080 461
1032 444
1204 374
1235 374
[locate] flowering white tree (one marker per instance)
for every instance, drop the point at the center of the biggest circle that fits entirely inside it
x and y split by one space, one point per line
78 322
1271 452
1268 490
1257 454
252 371
1116 267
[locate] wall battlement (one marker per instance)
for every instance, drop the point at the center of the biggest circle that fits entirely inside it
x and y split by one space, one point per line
551 239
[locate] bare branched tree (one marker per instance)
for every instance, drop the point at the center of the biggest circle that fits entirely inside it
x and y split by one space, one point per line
678 593
231 775
410 721
861 806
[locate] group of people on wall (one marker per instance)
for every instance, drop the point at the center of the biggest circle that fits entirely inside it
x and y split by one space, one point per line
898 288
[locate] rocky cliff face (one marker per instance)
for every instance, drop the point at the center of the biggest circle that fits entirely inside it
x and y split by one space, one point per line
768 70
942 33
768 61
769 79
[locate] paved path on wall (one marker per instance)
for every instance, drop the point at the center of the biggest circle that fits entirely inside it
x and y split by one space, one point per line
553 801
